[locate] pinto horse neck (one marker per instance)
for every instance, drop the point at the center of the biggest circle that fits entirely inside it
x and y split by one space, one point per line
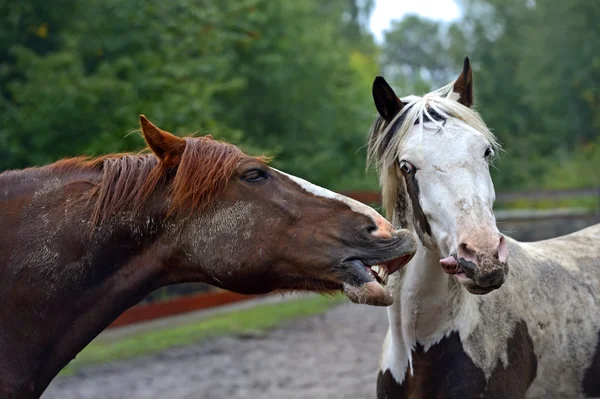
538 336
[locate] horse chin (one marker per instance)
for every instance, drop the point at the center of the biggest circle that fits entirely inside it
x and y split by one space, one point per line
371 293
472 286
364 284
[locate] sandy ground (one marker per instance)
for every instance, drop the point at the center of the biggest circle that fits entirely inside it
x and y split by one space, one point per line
333 355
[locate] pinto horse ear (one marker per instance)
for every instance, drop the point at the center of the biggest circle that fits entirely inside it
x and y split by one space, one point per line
463 86
387 102
166 146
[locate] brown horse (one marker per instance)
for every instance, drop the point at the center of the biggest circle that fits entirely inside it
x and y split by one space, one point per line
82 240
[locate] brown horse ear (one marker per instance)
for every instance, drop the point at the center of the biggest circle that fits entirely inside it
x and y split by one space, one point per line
387 102
166 146
464 85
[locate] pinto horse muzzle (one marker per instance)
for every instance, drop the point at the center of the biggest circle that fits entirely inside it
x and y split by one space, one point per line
478 271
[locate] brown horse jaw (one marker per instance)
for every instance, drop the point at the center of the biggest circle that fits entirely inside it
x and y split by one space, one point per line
367 286
371 293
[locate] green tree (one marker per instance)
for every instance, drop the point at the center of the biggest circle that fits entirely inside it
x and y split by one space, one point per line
418 56
536 77
561 69
287 78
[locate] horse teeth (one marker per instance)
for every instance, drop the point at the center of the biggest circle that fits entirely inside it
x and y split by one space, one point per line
375 269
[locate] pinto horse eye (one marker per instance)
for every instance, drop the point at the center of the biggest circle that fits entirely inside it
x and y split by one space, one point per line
407 167
255 175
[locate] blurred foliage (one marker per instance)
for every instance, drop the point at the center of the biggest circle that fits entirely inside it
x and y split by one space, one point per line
292 79
536 79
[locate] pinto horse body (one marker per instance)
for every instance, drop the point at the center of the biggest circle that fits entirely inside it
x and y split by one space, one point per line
83 240
476 314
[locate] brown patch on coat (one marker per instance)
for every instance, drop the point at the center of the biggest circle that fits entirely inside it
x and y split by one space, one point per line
420 220
446 371
591 379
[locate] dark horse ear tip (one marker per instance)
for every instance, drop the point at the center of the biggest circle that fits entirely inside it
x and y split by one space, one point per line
379 80
380 84
467 63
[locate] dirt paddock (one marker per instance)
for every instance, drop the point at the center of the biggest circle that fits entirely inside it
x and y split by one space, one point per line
333 355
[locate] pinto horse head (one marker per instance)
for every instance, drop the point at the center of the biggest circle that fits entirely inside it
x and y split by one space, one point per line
244 226
433 154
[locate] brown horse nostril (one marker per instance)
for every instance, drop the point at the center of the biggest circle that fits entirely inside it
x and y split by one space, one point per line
382 229
371 229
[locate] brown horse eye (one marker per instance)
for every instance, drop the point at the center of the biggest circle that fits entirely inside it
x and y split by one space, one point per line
255 175
407 167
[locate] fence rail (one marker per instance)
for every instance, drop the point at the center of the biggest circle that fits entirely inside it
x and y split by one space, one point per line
527 225
374 197
549 194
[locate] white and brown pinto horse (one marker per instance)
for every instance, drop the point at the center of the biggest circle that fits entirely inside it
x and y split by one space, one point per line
535 337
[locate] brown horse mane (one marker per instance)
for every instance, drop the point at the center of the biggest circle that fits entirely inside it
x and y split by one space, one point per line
128 179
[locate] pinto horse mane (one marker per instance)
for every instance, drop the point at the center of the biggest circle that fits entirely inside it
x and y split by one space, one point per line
386 138
128 179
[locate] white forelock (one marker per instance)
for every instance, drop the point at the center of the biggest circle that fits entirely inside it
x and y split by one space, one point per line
416 109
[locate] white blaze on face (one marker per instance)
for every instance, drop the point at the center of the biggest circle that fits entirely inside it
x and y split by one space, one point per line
384 228
455 187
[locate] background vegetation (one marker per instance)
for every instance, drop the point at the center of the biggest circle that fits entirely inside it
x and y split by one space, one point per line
292 79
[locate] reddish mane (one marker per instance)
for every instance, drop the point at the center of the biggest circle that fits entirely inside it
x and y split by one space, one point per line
128 180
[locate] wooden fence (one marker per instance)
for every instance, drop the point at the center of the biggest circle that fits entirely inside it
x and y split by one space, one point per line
524 224
374 197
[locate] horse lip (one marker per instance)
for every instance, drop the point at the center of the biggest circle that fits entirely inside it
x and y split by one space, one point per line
360 286
398 263
450 265
358 271
392 264
471 285
476 289
461 266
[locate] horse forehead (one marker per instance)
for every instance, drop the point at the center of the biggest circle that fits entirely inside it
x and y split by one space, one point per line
445 149
453 135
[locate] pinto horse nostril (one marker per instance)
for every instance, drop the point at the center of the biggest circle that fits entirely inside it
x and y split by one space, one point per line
502 252
467 253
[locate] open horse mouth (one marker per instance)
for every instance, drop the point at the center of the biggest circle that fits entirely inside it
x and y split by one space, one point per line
383 270
364 282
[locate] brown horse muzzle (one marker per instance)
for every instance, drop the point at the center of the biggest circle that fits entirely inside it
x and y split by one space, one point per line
365 275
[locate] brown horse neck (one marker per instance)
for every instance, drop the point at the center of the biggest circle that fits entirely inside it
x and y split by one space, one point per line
71 282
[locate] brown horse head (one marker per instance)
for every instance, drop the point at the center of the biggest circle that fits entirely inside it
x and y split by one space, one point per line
253 229
82 240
